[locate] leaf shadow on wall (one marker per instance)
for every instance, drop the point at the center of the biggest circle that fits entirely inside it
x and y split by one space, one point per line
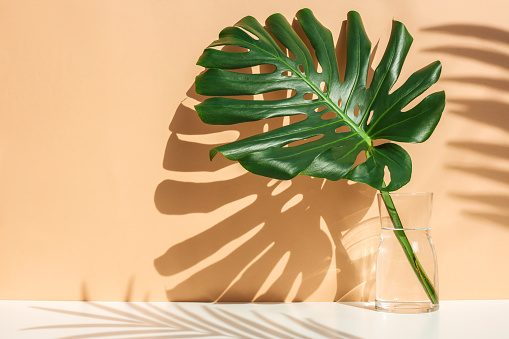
478 49
279 226
279 245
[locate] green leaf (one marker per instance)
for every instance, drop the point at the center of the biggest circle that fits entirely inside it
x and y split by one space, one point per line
390 156
330 142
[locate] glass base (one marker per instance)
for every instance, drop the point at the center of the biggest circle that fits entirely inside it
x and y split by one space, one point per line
406 307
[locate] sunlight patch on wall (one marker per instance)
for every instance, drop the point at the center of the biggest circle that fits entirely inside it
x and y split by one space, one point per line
227 173
292 202
210 138
245 269
283 186
294 289
274 274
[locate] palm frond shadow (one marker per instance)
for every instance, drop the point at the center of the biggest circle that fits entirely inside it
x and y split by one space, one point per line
296 227
486 33
148 320
494 206
478 48
494 58
490 83
494 113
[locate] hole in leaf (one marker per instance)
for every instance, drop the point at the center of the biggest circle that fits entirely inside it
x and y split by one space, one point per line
356 111
297 118
339 103
248 33
278 95
361 157
329 115
319 109
303 141
247 70
369 118
264 69
290 54
323 86
387 176
319 68
301 68
310 96
260 69
379 142
287 73
342 129
217 48
235 49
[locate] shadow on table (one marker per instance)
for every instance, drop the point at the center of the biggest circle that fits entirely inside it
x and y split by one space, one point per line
149 321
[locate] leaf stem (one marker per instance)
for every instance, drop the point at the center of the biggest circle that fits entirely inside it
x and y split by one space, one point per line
407 248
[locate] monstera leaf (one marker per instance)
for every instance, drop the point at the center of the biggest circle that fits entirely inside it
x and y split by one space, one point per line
331 142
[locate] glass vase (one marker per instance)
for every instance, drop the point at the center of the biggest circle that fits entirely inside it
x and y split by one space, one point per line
406 265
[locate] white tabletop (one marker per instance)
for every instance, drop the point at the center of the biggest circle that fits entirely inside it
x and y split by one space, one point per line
74 320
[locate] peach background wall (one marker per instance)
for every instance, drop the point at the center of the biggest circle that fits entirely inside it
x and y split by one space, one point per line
106 191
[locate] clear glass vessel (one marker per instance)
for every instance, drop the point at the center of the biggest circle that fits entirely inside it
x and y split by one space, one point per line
400 286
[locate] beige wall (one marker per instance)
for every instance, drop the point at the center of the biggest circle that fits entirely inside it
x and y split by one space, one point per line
100 200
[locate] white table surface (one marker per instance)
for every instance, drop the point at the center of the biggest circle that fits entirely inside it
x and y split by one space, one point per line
75 320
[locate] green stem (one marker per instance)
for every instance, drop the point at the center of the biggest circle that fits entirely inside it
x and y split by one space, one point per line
407 248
